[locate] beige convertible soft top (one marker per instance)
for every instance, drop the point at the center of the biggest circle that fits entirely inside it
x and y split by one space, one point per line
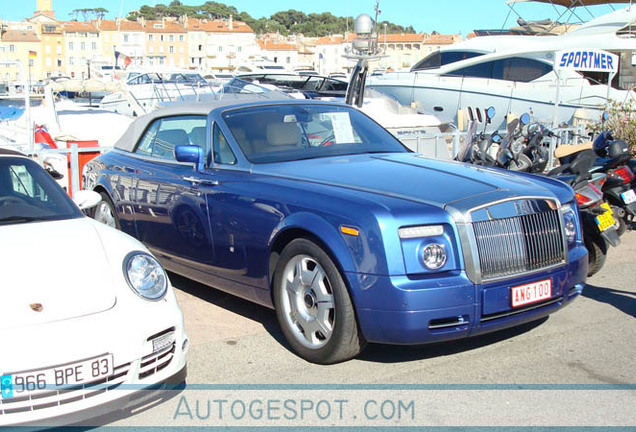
129 139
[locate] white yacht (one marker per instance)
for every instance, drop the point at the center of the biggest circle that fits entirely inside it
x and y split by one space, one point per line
515 74
144 91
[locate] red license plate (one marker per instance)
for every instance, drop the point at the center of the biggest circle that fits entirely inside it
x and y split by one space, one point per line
531 293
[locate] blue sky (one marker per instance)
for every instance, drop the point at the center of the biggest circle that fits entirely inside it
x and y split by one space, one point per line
444 16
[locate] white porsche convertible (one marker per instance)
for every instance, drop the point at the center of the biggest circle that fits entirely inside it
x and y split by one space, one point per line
90 324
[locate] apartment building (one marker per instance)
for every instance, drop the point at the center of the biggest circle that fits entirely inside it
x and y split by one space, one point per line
166 43
52 47
329 52
228 44
83 45
23 46
126 37
282 53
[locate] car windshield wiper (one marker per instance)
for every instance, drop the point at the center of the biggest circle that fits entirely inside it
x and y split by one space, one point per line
22 219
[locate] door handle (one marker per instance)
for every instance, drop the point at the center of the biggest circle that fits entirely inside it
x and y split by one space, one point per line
438 108
198 181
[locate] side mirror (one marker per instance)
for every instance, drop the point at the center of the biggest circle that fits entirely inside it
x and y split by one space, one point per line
86 199
525 118
490 113
190 154
534 127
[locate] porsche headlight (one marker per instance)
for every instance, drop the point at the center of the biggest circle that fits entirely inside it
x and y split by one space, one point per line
145 276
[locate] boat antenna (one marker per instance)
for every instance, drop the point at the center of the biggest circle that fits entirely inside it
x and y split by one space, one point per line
377 12
364 49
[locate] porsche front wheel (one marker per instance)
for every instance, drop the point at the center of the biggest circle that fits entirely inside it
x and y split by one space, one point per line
313 305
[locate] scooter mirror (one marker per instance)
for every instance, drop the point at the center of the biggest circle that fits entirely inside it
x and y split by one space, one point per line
605 116
469 111
478 114
525 118
496 138
490 113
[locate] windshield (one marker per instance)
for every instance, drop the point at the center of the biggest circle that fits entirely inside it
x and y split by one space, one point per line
28 193
306 131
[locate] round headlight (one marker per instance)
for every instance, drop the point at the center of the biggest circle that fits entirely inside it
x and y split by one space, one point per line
145 276
434 256
569 227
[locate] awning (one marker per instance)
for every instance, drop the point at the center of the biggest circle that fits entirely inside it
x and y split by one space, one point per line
90 85
572 3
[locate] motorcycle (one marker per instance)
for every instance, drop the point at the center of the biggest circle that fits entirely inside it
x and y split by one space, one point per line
597 218
611 157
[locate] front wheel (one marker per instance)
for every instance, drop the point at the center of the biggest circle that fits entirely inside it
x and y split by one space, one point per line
105 212
313 305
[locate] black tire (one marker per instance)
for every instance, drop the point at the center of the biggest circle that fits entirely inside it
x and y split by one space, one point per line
597 253
622 226
326 296
105 213
619 217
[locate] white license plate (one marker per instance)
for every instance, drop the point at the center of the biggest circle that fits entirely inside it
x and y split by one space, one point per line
531 293
629 196
82 372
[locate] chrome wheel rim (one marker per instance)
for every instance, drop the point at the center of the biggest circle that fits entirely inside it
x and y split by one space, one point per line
307 301
104 214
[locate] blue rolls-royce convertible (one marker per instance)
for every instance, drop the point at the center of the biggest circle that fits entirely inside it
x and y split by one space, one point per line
314 209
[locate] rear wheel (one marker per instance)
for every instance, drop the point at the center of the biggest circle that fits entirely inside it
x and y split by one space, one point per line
619 216
313 305
105 212
597 253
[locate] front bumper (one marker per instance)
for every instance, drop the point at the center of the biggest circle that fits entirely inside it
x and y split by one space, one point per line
127 332
126 400
403 310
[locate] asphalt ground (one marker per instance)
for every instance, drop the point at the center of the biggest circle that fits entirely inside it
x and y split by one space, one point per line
575 368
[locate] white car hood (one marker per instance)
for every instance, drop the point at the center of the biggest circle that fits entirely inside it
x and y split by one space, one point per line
60 265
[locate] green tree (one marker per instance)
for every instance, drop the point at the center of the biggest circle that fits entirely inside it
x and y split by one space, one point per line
284 22
89 13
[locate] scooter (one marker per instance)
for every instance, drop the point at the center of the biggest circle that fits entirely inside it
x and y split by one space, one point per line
611 157
597 219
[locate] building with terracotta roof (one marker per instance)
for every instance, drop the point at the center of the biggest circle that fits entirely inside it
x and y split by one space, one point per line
126 37
197 56
52 47
228 43
166 43
329 52
82 43
282 53
402 50
23 46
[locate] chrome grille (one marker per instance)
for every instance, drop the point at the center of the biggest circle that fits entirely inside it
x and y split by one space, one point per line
519 244
49 399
